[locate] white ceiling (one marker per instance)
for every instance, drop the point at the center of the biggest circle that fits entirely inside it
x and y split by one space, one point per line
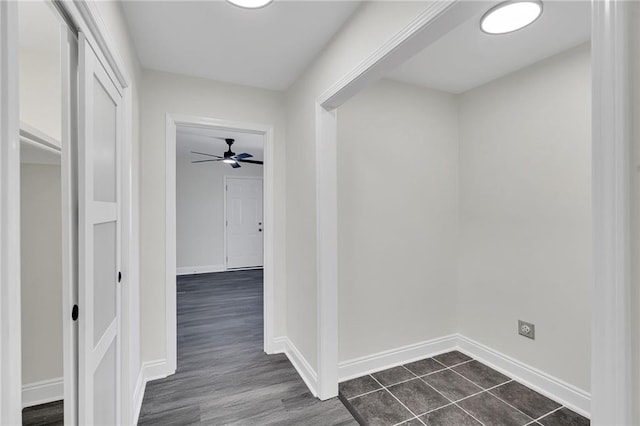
466 57
205 140
267 47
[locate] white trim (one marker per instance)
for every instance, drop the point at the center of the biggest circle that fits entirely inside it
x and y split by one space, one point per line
10 319
151 370
300 363
69 170
611 357
138 396
327 251
368 364
42 392
192 270
437 19
172 121
569 395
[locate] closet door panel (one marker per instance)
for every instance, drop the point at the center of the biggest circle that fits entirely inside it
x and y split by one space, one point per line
99 290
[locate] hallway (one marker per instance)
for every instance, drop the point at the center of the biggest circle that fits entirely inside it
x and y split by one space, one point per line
223 376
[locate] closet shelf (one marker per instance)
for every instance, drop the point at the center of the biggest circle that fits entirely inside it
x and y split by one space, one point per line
31 135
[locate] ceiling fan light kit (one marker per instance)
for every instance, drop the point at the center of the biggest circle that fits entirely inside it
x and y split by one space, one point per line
229 157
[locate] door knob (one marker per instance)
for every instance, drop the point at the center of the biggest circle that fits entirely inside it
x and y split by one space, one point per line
259 229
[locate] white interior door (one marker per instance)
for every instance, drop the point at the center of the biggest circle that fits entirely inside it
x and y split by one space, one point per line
100 119
244 227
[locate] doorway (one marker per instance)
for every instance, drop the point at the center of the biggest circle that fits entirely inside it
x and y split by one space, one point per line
257 132
43 283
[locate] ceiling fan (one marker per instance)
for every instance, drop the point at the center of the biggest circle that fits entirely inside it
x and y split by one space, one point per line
229 157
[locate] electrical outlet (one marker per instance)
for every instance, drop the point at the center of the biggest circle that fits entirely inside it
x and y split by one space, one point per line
527 329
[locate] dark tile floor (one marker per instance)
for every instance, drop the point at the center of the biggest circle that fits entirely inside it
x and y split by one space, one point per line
450 389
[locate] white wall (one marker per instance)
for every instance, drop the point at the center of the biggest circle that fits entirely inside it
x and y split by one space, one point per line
397 217
525 215
370 27
41 259
200 212
169 93
40 90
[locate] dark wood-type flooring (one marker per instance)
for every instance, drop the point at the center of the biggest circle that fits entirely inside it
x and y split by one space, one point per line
44 414
224 377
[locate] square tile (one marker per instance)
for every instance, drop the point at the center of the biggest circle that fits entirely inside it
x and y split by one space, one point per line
380 409
418 396
526 400
452 358
424 366
491 411
451 385
393 375
449 416
564 417
356 387
481 375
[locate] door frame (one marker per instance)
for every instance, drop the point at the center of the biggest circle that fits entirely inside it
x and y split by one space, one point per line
85 17
225 218
613 341
266 130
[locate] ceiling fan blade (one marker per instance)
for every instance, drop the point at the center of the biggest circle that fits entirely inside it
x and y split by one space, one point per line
235 165
243 155
202 153
251 161
206 161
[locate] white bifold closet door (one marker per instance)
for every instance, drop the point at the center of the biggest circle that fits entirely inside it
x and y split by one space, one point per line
100 119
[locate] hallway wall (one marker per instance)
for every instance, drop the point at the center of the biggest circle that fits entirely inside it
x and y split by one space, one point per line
397 217
525 215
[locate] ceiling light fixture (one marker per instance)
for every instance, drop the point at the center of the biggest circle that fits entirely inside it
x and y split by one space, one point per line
250 4
510 16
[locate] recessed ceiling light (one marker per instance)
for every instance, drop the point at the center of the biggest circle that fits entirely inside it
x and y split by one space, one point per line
510 16
250 4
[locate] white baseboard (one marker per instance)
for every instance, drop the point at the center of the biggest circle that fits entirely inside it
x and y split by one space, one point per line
382 360
138 396
307 373
571 396
191 270
151 370
42 392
